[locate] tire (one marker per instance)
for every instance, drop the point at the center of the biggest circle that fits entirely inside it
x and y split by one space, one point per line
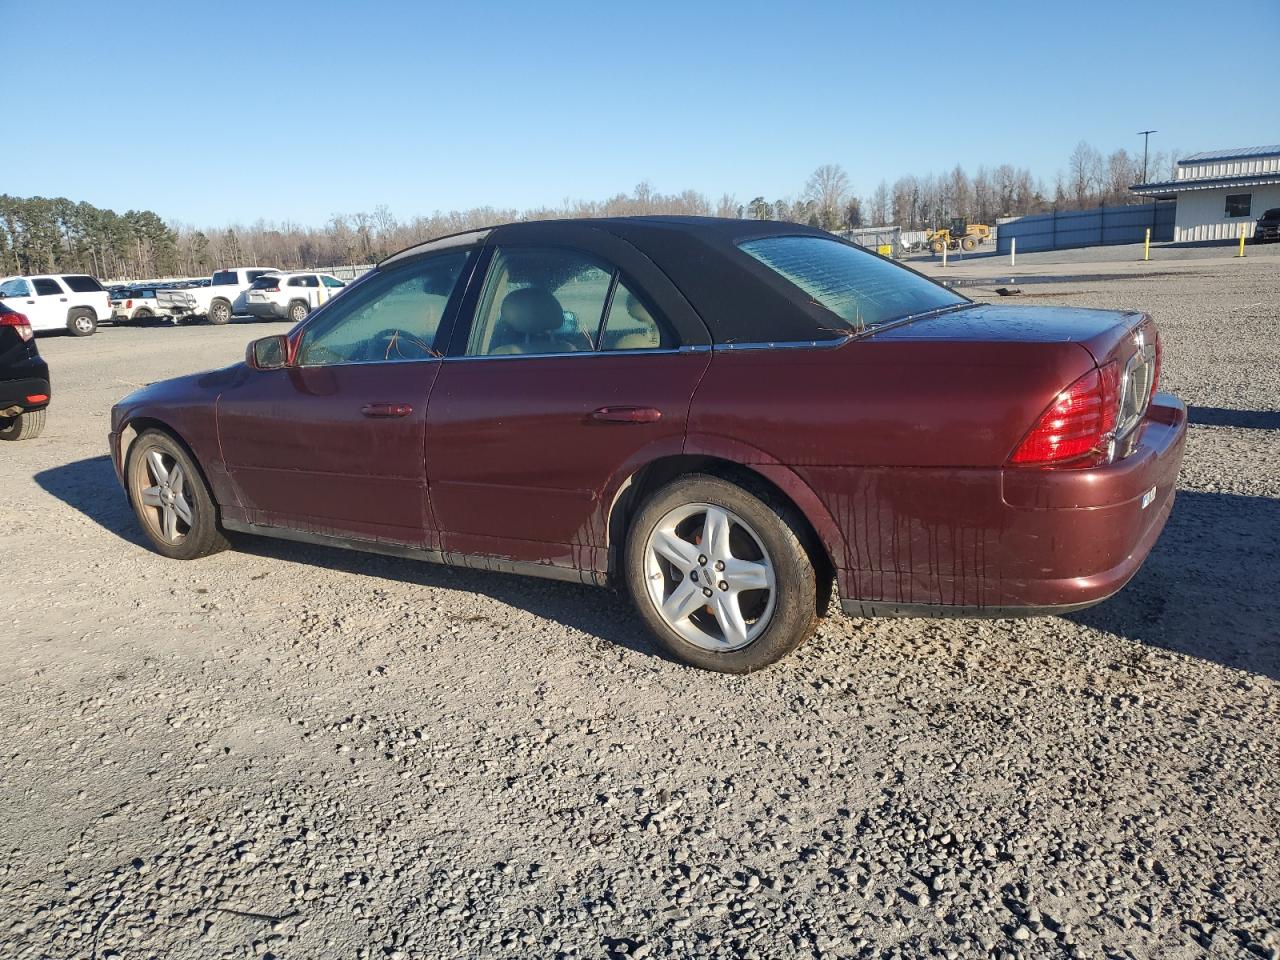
766 546
143 313
298 311
158 500
937 248
219 312
25 426
82 322
968 243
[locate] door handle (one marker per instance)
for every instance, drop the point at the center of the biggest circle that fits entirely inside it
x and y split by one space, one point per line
386 409
626 415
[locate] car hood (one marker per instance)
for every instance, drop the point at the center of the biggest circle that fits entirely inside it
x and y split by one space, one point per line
178 392
1097 331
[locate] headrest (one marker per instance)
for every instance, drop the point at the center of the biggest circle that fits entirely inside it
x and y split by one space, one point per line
531 310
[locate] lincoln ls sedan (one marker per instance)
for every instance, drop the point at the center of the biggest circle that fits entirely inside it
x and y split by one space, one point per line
729 417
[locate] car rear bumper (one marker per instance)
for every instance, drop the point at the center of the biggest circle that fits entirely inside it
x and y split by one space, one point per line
19 394
1016 542
266 310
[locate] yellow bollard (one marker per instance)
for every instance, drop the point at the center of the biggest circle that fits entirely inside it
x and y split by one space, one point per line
1241 253
1146 246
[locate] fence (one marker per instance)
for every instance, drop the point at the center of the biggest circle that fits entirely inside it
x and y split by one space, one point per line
1098 226
876 238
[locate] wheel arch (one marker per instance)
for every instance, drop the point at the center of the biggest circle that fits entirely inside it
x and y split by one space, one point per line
135 427
822 536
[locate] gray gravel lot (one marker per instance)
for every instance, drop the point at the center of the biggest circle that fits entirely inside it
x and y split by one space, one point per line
287 751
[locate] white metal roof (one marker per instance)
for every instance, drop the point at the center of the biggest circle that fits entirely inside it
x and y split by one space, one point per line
1235 153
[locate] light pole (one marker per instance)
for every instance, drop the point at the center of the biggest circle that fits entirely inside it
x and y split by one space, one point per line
1146 138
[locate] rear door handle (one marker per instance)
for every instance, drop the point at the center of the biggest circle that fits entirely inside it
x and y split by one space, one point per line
627 415
386 409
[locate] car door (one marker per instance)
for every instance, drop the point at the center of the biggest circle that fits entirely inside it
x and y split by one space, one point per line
20 295
567 379
333 442
52 302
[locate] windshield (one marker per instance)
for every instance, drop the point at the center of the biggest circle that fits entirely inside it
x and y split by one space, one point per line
860 288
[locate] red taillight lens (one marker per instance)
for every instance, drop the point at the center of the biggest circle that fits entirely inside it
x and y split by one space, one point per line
128 305
19 322
1076 429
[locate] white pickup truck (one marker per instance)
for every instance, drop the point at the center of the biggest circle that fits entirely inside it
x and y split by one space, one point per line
218 302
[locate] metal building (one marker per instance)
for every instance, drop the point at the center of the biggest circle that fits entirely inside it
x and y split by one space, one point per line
1220 193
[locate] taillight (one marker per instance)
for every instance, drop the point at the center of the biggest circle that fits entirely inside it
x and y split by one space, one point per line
19 322
128 304
1077 428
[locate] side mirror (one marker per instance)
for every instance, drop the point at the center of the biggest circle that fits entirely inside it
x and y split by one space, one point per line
268 353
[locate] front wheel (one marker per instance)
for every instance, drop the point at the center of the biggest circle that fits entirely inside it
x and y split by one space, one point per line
220 312
170 498
721 575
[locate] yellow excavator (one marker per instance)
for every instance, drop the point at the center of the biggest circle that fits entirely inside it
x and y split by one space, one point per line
961 235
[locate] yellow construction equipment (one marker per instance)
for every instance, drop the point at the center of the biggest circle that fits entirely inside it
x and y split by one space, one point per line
959 236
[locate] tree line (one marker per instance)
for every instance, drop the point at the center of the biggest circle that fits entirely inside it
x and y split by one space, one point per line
42 235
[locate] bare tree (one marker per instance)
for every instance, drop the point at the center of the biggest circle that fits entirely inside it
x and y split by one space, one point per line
1084 175
879 209
828 190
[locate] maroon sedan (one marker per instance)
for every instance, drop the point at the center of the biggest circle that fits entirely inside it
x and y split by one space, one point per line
725 415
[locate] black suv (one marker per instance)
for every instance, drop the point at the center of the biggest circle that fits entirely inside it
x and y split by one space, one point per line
24 379
1267 227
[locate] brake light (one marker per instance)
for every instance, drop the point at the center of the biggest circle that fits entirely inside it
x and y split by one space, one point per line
128 304
271 290
1077 428
19 322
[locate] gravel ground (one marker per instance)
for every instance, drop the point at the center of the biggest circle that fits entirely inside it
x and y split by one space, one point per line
287 751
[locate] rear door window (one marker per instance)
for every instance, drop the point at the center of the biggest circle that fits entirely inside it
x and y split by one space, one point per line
47 287
225 278
632 324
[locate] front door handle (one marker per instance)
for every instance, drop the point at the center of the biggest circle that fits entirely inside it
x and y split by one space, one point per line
386 409
627 415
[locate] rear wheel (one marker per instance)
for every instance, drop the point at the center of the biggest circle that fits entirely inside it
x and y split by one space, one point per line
720 574
298 311
25 426
143 313
170 498
937 247
968 243
219 312
82 322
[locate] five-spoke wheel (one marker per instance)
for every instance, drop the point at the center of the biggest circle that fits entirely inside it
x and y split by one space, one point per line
170 498
721 574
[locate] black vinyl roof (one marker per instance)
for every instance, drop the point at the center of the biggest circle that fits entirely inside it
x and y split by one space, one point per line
735 296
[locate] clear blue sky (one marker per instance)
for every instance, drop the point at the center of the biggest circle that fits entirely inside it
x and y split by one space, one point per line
222 112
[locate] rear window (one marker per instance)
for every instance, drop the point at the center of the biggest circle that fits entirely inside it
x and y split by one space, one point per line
225 278
265 283
83 284
860 288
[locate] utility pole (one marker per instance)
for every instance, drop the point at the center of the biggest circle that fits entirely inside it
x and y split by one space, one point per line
1146 138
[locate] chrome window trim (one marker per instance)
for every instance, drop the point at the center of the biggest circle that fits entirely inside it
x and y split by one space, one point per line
637 351
784 345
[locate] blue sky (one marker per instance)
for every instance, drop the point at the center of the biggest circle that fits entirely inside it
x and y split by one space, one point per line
223 112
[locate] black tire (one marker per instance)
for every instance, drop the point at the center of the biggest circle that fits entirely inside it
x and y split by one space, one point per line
220 312
143 313
781 532
25 426
298 311
82 322
202 536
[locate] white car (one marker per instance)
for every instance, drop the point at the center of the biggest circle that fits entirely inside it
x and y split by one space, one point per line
219 302
290 296
71 301
137 303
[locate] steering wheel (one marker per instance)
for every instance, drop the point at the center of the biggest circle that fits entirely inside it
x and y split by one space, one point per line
396 344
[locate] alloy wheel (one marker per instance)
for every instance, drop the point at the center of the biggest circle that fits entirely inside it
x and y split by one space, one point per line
710 577
170 513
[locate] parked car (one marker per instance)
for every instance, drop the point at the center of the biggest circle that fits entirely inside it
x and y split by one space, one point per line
723 415
290 296
1267 227
218 302
72 301
24 378
137 303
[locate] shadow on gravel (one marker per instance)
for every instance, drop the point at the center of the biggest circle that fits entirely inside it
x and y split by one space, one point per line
1211 587
91 487
605 615
1224 417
